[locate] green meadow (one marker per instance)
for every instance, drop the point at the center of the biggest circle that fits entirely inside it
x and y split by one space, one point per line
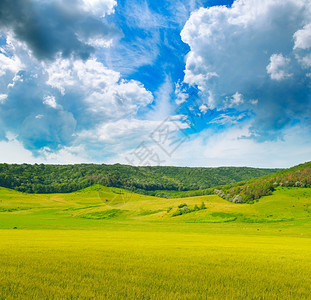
109 243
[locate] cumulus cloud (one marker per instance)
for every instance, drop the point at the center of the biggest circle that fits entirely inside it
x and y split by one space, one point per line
277 67
57 27
9 64
34 117
252 47
47 104
302 38
103 92
305 61
302 46
50 101
203 108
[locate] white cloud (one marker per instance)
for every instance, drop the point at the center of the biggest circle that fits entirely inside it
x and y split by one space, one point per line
305 61
90 75
223 119
59 75
13 151
9 60
230 46
277 67
129 132
11 64
302 38
197 72
241 48
119 139
203 108
15 79
65 155
103 90
100 43
125 131
180 93
209 149
120 100
83 95
3 97
99 7
254 101
50 101
230 148
235 100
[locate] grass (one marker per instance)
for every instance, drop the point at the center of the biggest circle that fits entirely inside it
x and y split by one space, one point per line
103 244
218 217
106 214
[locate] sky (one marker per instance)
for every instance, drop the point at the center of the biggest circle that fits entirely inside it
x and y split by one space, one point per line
201 83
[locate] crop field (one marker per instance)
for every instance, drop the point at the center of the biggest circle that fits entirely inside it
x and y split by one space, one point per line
104 243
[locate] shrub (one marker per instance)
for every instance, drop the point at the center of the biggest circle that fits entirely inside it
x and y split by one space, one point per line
202 206
182 205
177 213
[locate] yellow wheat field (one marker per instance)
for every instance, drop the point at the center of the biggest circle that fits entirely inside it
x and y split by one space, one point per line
60 264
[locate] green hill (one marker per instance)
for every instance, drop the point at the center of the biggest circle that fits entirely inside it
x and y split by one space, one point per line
98 205
69 178
298 176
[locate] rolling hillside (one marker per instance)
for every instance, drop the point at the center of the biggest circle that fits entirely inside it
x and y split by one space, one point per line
97 206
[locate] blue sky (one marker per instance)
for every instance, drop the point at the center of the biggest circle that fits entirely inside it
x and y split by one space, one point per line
186 83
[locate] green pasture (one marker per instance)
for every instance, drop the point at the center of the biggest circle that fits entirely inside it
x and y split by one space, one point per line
108 243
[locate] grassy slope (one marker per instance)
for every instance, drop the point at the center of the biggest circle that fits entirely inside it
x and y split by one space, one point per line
127 246
99 206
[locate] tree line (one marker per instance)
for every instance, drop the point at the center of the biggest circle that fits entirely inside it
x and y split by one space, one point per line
41 178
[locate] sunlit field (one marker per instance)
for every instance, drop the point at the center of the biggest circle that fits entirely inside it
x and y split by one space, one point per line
105 243
152 265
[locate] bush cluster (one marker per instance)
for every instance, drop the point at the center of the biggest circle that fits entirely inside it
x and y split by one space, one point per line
184 209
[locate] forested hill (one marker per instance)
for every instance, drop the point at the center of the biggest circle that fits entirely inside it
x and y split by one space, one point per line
298 176
68 178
